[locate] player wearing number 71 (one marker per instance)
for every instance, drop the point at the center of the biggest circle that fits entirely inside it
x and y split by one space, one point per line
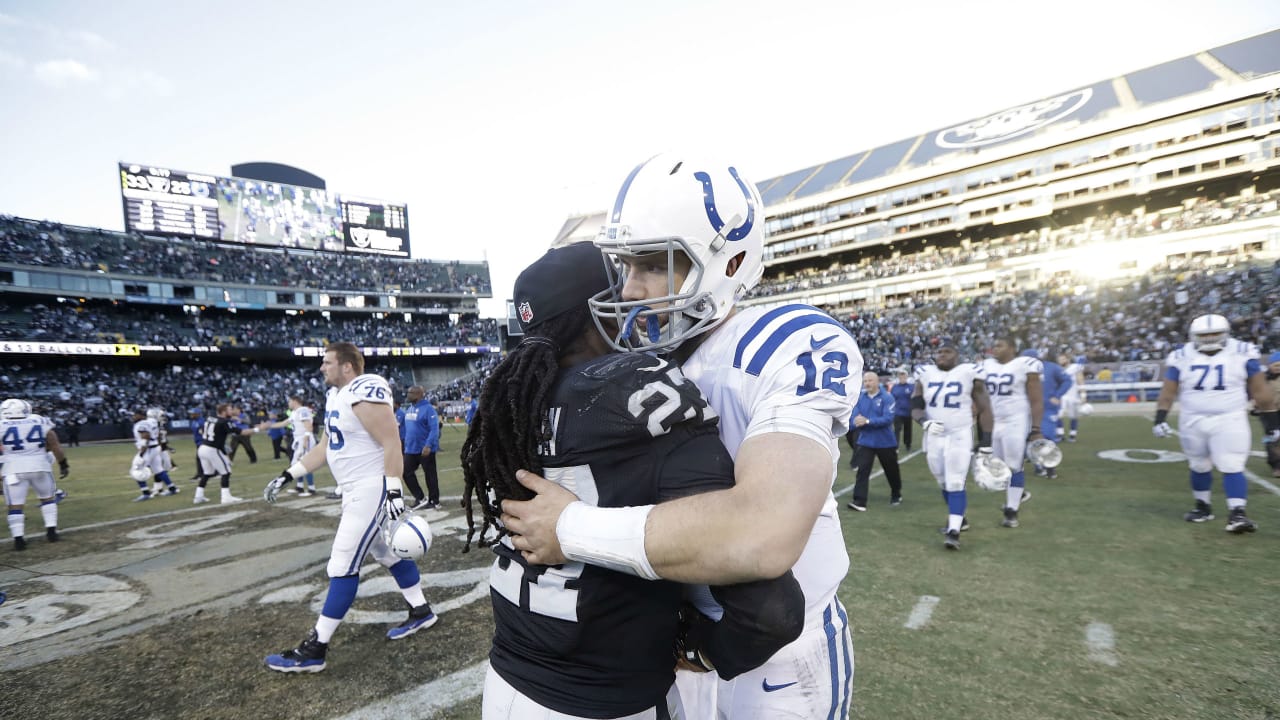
362 447
1212 378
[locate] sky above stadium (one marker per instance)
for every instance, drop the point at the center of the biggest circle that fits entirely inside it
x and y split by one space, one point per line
495 121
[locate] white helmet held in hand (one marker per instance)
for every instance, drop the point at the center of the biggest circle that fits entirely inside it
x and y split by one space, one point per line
674 205
991 473
1086 409
1044 452
409 537
1209 333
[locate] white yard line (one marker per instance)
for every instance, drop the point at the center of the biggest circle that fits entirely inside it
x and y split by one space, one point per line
427 698
921 613
849 488
1101 641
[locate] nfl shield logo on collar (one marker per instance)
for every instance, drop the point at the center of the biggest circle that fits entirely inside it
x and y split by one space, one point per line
526 312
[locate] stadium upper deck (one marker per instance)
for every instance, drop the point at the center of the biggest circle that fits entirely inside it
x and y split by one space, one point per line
1203 124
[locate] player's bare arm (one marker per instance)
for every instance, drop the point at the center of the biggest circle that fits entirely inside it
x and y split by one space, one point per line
1035 396
701 538
982 401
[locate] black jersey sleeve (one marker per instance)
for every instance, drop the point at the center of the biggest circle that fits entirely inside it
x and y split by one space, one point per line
691 460
760 618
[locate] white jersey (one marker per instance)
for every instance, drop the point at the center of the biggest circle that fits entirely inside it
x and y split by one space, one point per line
787 369
1007 385
24 444
1073 377
1213 384
148 426
353 454
301 420
948 394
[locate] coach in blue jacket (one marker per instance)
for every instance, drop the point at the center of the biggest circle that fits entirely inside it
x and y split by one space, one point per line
873 416
421 443
902 423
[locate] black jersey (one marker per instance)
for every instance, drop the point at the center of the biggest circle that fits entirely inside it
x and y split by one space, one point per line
216 430
626 430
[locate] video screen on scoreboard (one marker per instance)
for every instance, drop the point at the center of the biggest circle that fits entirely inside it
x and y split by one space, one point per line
162 201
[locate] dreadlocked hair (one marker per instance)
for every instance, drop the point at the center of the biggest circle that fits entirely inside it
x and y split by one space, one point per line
511 422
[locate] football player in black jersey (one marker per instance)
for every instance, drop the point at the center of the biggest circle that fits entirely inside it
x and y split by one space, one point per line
618 430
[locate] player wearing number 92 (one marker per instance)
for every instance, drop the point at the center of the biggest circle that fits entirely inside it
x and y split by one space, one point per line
362 447
685 239
1212 377
944 401
588 641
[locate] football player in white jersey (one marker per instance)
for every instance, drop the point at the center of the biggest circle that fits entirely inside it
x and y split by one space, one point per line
362 447
1017 404
1072 398
150 459
26 440
301 424
1213 377
944 402
686 239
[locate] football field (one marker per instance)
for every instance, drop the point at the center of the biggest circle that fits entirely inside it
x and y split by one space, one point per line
1103 604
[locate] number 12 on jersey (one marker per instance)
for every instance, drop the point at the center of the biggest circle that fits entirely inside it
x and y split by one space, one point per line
835 369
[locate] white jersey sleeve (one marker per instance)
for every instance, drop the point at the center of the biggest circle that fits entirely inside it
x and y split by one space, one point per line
353 454
803 375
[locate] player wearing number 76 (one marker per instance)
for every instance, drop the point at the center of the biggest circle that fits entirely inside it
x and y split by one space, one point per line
685 240
1212 377
362 446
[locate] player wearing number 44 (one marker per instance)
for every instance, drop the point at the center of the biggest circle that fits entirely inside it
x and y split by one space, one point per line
946 395
579 640
685 239
362 447
1212 377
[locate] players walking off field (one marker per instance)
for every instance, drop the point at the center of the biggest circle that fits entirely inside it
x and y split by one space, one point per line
362 447
27 440
301 423
151 458
1017 407
1212 378
948 394
685 238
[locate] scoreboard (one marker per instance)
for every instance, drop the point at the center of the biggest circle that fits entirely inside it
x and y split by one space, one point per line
163 201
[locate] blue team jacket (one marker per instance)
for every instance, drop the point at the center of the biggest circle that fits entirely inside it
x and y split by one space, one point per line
878 410
902 399
421 428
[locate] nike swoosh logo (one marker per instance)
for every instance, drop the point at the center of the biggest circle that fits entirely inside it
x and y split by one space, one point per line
764 684
817 344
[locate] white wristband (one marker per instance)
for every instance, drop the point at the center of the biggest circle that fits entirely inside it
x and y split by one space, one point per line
611 538
393 483
297 470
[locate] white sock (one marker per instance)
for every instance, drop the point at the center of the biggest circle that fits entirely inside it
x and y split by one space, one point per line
50 512
17 524
953 522
1233 503
1013 497
199 492
226 494
414 595
1201 495
325 628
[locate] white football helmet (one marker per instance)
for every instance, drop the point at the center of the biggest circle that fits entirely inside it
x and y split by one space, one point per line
1209 333
991 473
702 209
155 413
139 470
14 409
1044 452
409 536
1086 409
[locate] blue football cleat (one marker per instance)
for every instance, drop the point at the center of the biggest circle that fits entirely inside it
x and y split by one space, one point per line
307 657
419 618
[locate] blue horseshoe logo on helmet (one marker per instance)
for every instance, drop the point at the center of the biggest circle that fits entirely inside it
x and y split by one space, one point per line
713 215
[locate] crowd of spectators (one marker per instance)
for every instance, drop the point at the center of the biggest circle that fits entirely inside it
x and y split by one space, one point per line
43 243
1115 227
105 321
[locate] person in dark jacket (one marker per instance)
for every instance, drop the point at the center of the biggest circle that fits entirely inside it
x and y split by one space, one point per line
873 416
901 392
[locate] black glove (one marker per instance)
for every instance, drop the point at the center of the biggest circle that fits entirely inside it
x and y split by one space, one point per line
273 487
691 637
64 468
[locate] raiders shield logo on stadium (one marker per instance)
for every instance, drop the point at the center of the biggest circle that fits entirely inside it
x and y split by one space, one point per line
526 312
